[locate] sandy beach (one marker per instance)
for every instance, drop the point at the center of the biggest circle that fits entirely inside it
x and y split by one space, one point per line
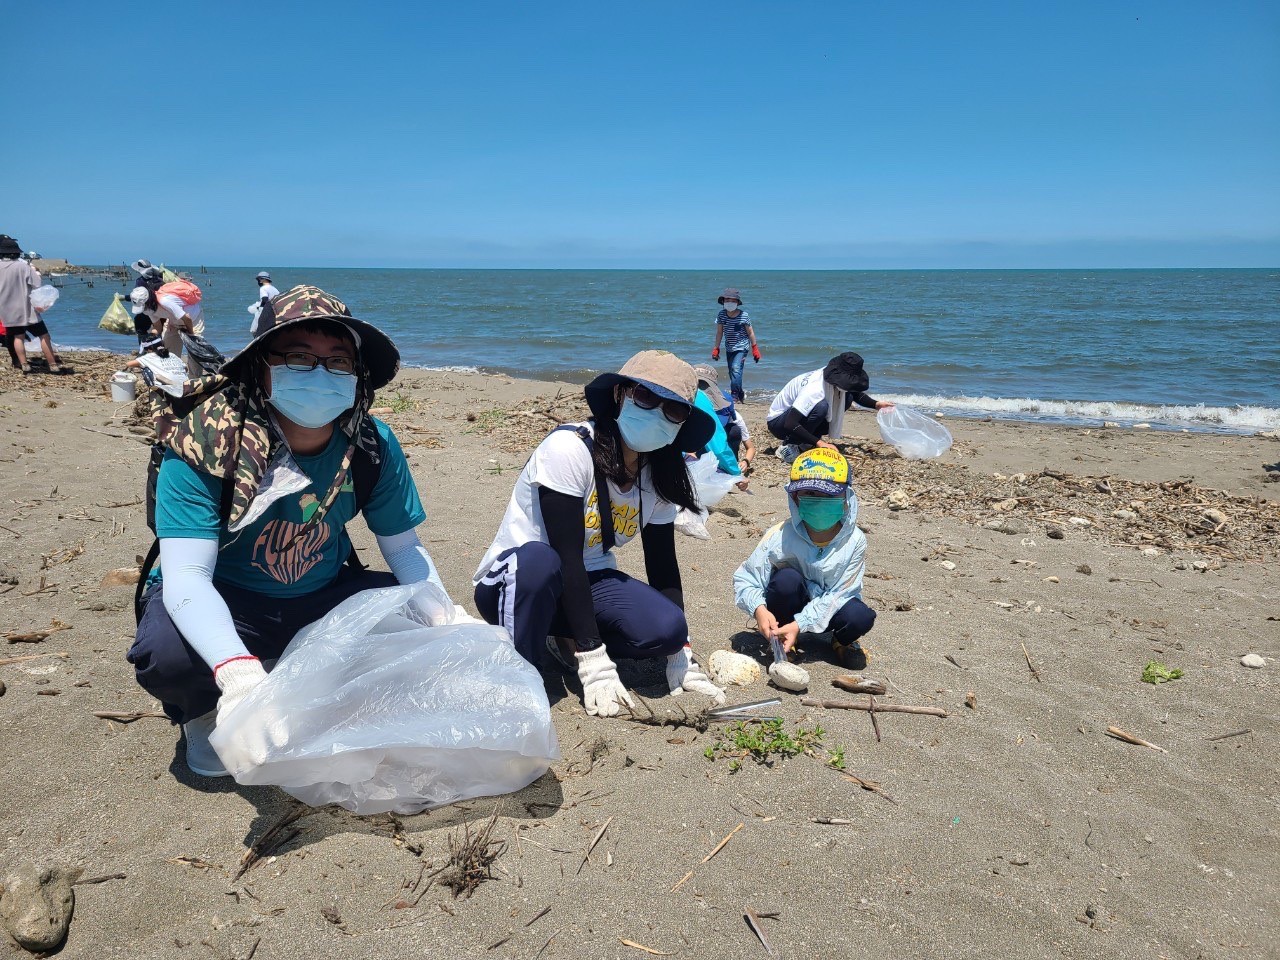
1021 584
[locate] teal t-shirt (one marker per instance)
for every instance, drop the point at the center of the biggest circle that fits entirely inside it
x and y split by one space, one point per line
261 557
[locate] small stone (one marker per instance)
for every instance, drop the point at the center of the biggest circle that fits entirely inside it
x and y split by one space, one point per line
1085 569
1080 522
1127 515
939 415
37 905
1052 580
1110 423
947 565
1213 519
1200 565
971 700
788 676
1004 506
1019 478
898 500
1142 426
1091 912
1006 525
1179 564
1150 552
3 688
1253 661
1054 532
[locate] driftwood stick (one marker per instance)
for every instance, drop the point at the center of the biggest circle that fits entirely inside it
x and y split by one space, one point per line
591 846
1228 736
1031 666
1130 738
757 928
879 707
271 838
871 714
721 845
128 716
102 879
832 821
680 882
856 684
32 656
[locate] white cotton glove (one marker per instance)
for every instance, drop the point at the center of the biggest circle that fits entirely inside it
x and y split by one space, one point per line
236 678
683 673
602 692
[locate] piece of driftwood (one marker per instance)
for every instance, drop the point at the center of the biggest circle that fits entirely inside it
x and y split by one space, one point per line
273 837
37 636
4 662
832 821
856 684
592 845
1228 736
640 946
1130 738
1031 666
878 708
753 919
721 845
128 716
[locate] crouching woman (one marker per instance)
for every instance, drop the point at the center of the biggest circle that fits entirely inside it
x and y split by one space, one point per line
550 576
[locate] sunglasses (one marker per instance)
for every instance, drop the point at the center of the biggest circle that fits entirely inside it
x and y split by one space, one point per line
676 411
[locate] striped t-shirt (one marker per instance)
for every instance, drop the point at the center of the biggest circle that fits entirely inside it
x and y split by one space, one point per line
735 331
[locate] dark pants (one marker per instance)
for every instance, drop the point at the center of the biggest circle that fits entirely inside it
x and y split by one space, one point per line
522 589
817 423
733 433
736 360
8 345
170 670
788 593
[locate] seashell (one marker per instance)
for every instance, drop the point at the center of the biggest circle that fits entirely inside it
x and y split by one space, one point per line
726 666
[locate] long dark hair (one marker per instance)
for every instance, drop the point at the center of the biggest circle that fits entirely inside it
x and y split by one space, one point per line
667 469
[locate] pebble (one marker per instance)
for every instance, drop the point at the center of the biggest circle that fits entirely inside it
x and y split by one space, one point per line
728 666
1110 423
1004 506
1006 525
1054 533
898 500
1179 564
1080 522
3 688
1052 580
1253 661
971 700
1126 515
788 676
947 565
1142 426
1212 519
1150 552
1019 478
1085 569
37 905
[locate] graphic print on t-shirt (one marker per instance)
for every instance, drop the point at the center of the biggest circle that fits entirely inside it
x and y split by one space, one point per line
284 552
626 521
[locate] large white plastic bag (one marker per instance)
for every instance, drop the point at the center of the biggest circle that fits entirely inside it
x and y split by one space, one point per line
711 486
373 711
42 298
912 434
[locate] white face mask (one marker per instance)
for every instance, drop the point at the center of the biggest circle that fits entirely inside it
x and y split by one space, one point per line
732 305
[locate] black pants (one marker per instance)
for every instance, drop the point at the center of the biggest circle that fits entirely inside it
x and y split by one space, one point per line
169 669
816 423
788 594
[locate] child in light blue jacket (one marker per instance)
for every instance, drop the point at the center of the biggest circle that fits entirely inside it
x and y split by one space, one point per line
806 574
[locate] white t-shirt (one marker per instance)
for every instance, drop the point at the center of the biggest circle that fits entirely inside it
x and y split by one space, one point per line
563 463
741 421
172 308
267 290
804 393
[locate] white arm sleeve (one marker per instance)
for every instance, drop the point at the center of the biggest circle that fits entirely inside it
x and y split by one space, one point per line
194 605
409 560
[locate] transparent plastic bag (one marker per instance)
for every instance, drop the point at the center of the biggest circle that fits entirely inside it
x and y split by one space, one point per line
711 486
42 298
914 435
370 709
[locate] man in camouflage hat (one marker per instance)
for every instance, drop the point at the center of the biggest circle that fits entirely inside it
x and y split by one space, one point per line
258 484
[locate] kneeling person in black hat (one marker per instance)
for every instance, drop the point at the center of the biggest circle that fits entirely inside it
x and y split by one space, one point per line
257 486
550 572
804 410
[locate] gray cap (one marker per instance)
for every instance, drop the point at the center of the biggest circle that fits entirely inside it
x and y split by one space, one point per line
263 275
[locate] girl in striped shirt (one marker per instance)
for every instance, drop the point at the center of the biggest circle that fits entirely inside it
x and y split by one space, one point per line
733 324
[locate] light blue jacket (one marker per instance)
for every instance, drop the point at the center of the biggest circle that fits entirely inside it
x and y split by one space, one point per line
719 442
832 573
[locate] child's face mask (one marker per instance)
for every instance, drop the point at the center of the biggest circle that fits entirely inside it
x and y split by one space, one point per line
820 513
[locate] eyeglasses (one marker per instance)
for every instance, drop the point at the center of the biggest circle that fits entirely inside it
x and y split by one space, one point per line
676 411
300 361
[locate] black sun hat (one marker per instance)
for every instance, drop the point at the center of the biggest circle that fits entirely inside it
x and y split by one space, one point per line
378 354
666 375
845 373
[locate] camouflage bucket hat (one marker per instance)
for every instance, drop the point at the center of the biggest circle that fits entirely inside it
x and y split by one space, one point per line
378 355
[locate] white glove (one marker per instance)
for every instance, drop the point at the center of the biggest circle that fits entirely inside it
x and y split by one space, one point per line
602 691
236 678
683 673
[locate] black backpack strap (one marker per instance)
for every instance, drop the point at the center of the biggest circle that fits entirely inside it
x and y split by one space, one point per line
604 505
144 574
364 477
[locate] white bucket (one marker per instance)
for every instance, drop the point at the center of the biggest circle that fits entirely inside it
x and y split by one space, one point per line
123 387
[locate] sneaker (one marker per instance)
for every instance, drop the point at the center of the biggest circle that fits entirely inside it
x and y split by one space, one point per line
850 655
787 452
556 651
201 757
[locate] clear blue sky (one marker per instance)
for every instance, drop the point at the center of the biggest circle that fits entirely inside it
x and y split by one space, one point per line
691 134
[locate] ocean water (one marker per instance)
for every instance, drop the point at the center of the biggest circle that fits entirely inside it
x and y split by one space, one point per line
1179 349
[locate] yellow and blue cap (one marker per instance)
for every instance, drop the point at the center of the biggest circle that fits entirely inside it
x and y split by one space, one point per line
820 471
